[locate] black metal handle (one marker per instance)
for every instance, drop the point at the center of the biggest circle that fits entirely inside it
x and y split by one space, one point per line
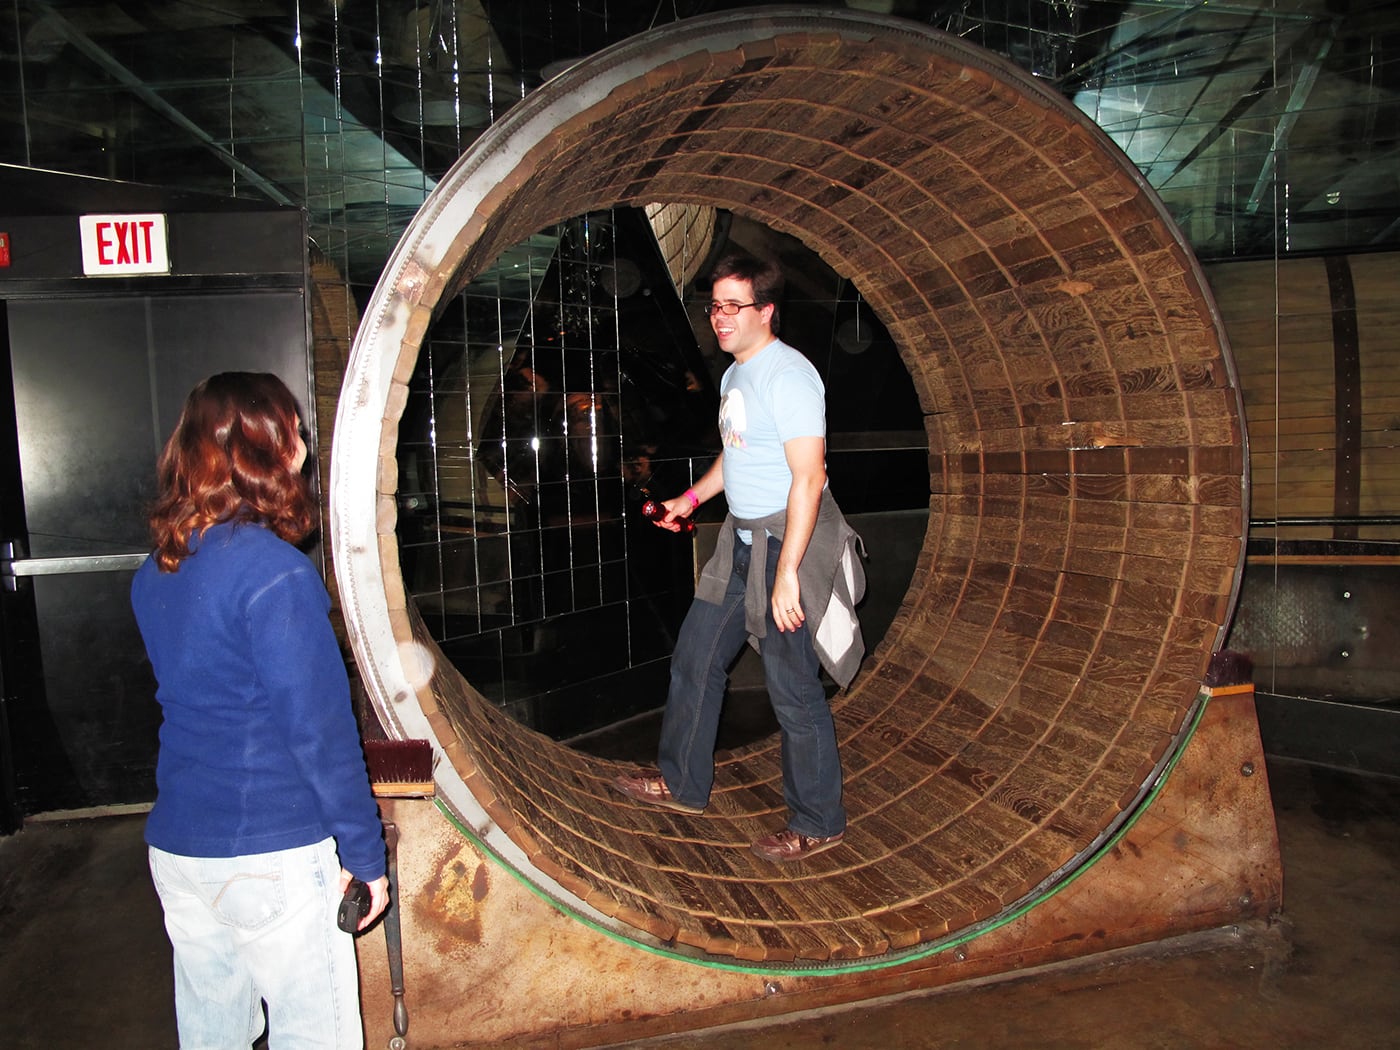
393 934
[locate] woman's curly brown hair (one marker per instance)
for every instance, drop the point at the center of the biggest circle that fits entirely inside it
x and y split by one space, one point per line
230 459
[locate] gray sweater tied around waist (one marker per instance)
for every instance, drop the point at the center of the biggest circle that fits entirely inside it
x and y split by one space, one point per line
831 578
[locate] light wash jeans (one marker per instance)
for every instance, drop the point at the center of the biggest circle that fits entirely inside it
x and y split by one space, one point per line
709 640
254 928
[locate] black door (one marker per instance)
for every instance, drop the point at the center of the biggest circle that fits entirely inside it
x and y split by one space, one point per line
93 386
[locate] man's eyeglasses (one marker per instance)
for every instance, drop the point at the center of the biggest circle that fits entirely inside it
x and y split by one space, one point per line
728 309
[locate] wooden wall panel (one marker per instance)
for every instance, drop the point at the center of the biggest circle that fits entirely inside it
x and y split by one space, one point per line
1287 328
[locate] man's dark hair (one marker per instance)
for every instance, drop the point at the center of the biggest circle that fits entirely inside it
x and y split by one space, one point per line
763 274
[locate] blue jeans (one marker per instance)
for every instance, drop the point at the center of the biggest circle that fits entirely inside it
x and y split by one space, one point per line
260 927
710 639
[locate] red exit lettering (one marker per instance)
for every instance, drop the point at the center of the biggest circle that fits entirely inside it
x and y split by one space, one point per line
117 245
131 241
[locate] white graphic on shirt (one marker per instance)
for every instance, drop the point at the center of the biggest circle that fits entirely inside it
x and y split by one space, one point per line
733 419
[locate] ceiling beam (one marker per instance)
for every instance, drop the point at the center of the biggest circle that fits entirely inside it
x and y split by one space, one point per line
128 80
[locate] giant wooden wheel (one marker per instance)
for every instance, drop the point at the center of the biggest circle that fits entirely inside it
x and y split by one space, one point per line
1086 474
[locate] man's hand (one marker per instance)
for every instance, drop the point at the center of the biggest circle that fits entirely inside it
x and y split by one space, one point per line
806 458
677 510
786 601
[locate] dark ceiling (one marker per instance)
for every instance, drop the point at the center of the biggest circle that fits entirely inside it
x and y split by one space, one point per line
1266 128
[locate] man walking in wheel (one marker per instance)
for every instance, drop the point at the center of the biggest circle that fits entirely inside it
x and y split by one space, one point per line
784 575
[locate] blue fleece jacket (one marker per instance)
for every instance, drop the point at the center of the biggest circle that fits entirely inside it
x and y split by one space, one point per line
259 750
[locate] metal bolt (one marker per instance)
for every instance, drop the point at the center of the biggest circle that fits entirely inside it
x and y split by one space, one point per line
960 954
1246 899
1247 769
771 988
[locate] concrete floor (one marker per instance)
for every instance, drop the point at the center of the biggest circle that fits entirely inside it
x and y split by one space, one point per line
84 963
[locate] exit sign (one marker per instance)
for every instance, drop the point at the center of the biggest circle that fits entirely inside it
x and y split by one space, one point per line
120 245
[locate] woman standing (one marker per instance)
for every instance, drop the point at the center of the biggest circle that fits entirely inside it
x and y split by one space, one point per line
263 808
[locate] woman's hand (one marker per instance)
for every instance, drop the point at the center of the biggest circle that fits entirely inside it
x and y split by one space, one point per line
378 896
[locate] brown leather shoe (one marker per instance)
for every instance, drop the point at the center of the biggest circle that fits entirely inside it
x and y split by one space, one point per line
788 845
650 787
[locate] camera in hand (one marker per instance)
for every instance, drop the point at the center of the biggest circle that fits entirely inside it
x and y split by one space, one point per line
354 906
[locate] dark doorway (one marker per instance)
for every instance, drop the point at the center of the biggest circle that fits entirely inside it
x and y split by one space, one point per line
93 373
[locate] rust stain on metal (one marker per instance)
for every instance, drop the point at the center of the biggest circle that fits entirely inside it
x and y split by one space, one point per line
480 884
412 279
449 903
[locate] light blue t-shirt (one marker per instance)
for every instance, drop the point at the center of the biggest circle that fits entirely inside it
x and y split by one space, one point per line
771 398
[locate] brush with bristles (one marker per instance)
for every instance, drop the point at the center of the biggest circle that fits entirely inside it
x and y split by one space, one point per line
400 768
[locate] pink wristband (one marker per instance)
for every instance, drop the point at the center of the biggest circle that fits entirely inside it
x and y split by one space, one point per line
694 499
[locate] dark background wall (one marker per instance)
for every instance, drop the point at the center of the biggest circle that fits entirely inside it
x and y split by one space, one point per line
1270 135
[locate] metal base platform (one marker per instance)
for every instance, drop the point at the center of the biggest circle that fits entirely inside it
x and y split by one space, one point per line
488 962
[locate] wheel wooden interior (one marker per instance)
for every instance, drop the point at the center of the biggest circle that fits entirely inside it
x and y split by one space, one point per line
1086 477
